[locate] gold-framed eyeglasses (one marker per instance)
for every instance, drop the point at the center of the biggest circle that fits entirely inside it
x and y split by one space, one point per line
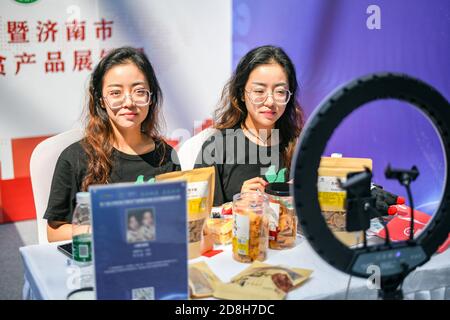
115 99
280 96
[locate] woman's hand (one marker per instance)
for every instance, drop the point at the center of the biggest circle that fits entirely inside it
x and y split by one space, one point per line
254 184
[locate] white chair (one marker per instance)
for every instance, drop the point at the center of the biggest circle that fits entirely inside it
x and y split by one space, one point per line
42 165
191 147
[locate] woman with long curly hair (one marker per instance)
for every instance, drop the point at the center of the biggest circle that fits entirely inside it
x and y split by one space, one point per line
258 122
122 140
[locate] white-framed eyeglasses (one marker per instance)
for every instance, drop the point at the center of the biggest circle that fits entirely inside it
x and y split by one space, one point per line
280 96
115 99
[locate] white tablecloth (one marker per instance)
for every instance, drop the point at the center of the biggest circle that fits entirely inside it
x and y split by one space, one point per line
47 273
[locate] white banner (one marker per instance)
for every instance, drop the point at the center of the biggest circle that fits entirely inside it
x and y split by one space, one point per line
48 49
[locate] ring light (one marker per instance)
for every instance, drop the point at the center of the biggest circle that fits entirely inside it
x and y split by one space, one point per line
395 260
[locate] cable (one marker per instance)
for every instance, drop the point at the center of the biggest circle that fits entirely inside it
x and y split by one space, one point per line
380 218
350 278
364 239
410 198
388 237
360 218
405 177
348 287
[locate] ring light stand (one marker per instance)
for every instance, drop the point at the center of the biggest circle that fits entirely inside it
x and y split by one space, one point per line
395 260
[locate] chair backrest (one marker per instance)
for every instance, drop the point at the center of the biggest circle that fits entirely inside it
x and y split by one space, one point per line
188 152
42 166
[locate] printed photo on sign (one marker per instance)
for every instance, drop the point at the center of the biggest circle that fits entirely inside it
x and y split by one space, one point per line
140 225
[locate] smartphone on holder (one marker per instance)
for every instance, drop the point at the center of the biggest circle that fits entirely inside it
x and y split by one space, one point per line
66 249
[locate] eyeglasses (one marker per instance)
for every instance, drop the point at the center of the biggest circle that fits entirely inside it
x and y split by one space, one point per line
259 96
115 99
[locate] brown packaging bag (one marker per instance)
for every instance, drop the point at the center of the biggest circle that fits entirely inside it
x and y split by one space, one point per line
200 195
332 198
202 281
262 281
296 275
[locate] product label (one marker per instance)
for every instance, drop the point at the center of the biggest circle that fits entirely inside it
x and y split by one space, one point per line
197 193
331 196
274 218
241 233
81 248
329 184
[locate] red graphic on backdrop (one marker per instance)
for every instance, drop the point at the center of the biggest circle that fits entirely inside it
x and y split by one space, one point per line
46 30
103 31
76 30
82 60
17 31
24 58
54 63
2 66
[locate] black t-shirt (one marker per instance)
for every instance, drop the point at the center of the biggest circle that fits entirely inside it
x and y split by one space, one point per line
71 169
237 159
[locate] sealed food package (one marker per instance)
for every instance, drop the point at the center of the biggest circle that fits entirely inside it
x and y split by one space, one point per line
283 220
221 229
223 211
253 287
202 280
335 220
262 281
199 286
227 209
296 275
332 197
250 227
200 194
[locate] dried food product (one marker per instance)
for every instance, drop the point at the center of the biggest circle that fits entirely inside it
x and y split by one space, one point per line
200 195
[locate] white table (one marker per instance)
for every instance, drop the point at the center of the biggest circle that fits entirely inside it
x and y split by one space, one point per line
48 272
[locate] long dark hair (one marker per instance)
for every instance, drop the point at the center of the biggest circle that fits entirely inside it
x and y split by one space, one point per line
99 136
232 110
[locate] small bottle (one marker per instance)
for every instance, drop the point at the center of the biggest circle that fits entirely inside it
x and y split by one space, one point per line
82 238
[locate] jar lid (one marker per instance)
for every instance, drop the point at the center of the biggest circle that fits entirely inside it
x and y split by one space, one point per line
280 189
82 294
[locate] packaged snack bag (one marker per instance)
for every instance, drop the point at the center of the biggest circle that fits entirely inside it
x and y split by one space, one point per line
262 281
200 195
332 197
202 281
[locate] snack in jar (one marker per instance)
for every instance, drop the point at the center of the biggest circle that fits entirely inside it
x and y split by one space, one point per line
283 220
250 227
200 194
221 230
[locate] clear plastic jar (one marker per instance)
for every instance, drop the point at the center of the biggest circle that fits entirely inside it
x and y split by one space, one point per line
283 222
250 227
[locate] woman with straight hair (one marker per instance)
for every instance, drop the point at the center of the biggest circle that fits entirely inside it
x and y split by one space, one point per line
258 123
